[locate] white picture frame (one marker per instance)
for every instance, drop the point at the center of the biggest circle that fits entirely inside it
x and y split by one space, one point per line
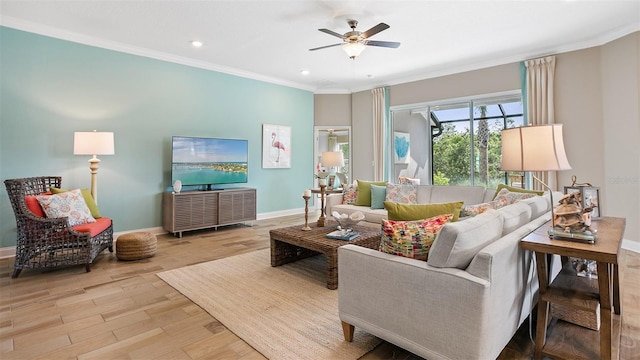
276 146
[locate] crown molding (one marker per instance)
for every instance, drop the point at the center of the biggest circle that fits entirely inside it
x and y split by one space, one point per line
44 30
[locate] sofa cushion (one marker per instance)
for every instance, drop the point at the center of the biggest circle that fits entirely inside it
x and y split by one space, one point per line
378 194
466 194
68 204
517 190
539 205
422 211
34 206
457 243
514 216
364 191
88 199
411 239
94 228
402 193
349 194
423 195
375 216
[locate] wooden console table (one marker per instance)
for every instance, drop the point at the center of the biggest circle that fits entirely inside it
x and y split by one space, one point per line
193 210
605 252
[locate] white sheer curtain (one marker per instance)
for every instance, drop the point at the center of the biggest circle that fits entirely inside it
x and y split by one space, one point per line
378 133
540 109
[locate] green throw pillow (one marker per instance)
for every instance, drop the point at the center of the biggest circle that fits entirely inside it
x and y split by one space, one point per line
378 194
364 191
515 189
88 198
406 212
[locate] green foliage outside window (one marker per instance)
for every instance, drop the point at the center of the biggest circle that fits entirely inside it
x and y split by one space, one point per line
452 153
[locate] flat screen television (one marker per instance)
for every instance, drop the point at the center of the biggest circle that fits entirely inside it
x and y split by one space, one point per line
209 161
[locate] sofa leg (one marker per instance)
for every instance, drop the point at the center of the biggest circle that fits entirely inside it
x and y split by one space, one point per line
347 329
111 248
87 267
16 272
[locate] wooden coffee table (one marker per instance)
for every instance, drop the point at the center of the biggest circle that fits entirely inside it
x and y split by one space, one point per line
291 243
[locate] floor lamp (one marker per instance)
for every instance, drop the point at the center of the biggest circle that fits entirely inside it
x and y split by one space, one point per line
93 143
331 159
535 148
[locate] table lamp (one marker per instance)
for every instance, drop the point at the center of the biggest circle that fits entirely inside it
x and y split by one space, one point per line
333 159
534 148
93 143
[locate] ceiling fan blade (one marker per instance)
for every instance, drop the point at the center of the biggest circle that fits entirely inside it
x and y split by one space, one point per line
331 32
374 30
388 44
324 47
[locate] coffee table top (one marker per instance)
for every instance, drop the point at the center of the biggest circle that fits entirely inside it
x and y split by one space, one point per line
318 234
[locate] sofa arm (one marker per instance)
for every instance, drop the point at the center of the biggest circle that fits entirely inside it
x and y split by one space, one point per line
433 312
332 200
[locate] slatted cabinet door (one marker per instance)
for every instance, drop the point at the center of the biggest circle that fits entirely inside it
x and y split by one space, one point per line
237 206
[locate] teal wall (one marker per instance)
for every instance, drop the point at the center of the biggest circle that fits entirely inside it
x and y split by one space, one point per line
50 88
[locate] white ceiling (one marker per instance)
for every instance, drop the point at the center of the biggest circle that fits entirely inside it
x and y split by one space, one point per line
269 39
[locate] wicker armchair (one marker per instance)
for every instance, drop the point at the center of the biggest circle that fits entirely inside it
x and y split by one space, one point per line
50 243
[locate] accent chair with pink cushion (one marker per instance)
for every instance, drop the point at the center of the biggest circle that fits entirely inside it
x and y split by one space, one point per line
47 242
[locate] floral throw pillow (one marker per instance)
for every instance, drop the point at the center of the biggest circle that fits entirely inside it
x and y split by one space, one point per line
506 197
402 193
69 204
473 210
349 195
411 239
407 180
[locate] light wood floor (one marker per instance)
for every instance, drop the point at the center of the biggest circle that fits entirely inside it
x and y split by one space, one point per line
122 310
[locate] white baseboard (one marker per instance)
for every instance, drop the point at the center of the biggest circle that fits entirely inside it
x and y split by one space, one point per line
158 230
275 214
631 245
8 252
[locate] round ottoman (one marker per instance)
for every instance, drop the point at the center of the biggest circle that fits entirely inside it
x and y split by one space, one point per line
136 246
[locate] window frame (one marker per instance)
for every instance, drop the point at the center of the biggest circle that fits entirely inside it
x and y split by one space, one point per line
471 103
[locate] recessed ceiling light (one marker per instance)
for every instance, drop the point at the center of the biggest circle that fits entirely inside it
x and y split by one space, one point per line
196 43
304 72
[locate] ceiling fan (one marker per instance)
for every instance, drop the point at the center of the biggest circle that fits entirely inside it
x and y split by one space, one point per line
354 42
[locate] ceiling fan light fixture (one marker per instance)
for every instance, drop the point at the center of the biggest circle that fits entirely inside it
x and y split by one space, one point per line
353 49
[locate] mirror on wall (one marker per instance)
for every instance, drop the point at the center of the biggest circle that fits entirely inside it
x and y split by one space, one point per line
334 139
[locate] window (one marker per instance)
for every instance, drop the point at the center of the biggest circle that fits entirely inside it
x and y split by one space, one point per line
462 140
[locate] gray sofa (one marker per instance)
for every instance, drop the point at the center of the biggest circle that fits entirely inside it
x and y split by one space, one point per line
465 302
426 194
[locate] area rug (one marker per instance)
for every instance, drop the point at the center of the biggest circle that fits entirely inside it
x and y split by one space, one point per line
284 312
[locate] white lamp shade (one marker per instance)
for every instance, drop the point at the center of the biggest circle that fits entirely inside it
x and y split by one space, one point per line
93 143
534 148
332 158
353 49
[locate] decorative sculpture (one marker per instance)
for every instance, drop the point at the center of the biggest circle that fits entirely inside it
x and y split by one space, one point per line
570 217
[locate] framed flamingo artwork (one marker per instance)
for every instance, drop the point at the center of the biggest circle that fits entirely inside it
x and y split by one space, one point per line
276 146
